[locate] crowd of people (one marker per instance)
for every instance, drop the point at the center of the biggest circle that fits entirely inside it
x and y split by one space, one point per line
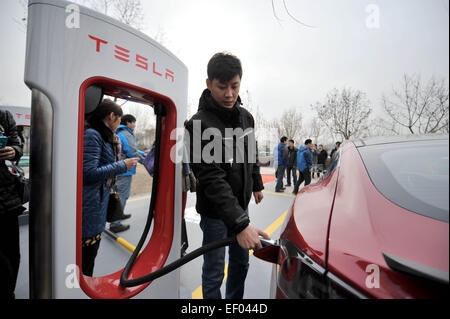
223 189
309 160
109 159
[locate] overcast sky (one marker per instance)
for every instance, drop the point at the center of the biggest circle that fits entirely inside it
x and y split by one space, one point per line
285 63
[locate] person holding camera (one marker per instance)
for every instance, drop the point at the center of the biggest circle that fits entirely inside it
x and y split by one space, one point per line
10 206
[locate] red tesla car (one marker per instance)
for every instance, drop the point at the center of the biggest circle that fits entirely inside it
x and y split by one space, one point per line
376 226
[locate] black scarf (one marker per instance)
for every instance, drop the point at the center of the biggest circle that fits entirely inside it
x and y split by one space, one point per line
230 116
106 133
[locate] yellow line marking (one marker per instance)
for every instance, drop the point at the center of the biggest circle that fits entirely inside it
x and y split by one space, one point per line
279 194
198 294
139 198
264 191
277 223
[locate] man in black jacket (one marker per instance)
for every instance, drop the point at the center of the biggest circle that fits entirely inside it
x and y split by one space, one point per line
10 208
322 158
227 175
292 163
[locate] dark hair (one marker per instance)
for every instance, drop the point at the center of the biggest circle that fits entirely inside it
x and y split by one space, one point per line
224 67
96 118
104 109
127 118
338 143
292 141
308 141
283 139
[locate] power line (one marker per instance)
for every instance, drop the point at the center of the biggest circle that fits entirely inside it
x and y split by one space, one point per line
294 18
275 13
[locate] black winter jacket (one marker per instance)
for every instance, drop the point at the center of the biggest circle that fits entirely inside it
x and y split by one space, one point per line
292 157
9 197
322 157
224 188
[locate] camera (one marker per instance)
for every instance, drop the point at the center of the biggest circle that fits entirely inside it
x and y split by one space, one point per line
3 141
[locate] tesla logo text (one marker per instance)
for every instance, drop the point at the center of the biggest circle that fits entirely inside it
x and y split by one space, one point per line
138 60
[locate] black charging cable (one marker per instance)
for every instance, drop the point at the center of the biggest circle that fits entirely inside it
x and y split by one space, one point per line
124 281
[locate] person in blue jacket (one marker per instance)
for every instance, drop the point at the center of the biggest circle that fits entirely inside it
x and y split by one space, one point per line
304 164
125 132
99 170
282 164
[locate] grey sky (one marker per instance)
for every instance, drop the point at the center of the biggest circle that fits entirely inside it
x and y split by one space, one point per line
285 64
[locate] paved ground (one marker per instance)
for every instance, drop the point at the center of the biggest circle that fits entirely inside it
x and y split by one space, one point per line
267 216
142 182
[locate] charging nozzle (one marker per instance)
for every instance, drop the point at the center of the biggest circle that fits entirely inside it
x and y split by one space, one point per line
267 242
269 251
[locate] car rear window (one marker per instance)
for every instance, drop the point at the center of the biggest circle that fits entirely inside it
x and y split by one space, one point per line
413 175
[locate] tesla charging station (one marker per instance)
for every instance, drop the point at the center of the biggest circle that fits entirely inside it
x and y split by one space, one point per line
69 64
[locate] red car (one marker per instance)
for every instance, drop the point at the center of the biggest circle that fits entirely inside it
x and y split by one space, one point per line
376 226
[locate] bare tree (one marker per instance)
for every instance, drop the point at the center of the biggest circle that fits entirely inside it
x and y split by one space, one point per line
315 129
160 36
419 108
381 127
435 119
103 6
262 133
145 123
130 12
345 112
126 11
289 14
22 21
260 121
290 124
